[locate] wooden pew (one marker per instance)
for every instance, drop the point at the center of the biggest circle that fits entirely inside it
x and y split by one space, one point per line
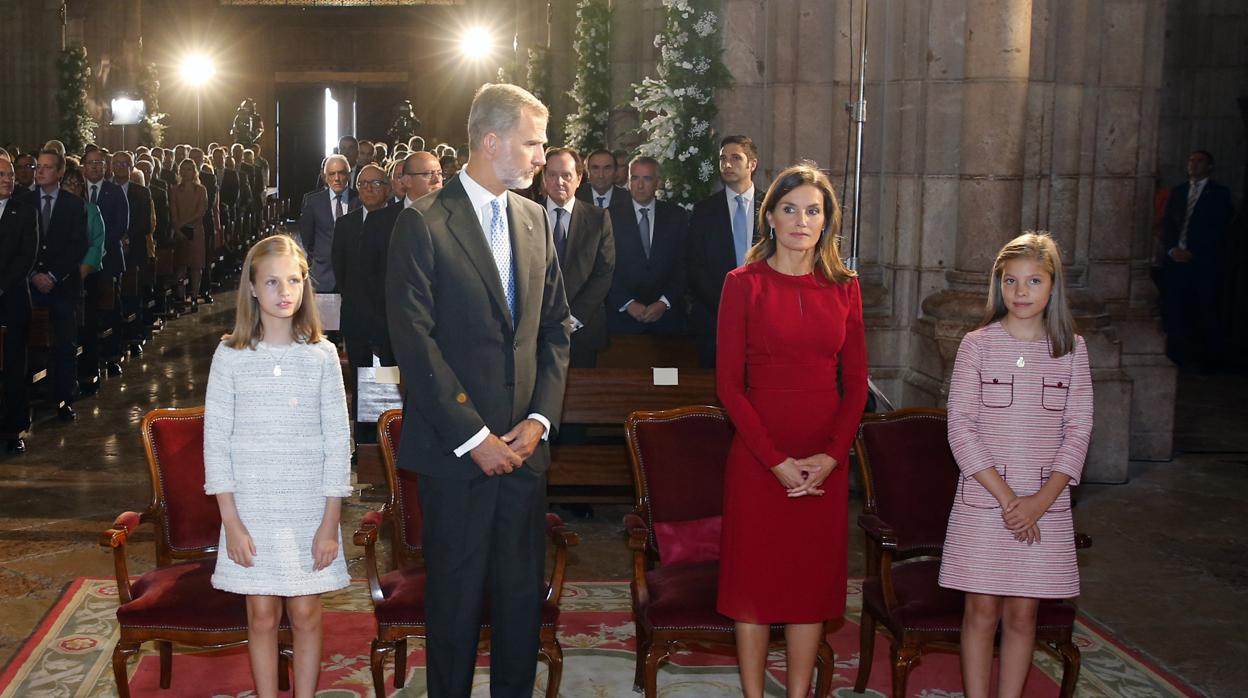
601 399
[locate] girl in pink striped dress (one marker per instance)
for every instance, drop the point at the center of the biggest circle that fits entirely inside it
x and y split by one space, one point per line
1020 415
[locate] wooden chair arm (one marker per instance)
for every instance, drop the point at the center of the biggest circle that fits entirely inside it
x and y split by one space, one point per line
116 538
638 542
366 536
562 538
878 531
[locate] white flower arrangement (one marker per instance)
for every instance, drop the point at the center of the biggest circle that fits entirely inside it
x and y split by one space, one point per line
591 88
678 107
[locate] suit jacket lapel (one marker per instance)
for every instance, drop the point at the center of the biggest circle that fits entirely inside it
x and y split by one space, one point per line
463 225
523 252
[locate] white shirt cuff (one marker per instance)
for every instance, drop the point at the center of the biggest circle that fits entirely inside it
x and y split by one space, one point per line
576 324
624 307
472 443
664 301
545 423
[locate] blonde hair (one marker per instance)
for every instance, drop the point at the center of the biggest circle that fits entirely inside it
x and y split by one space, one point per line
306 323
827 249
1059 323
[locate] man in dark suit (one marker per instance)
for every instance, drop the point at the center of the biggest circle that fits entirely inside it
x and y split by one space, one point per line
361 241
721 231
478 319
599 186
19 241
1197 216
25 167
321 209
114 209
586 251
56 282
648 288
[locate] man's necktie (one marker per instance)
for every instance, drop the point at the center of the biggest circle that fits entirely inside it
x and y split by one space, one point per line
46 216
644 225
1193 195
95 193
561 233
602 202
741 230
500 247
339 211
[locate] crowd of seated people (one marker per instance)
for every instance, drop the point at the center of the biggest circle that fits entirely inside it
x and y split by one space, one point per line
101 248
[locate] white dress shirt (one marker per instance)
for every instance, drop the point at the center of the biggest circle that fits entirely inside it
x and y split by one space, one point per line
480 198
606 198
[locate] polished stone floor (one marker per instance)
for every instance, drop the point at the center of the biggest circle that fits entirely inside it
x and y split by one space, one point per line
1168 572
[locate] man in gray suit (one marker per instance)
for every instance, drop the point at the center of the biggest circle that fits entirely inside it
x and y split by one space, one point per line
321 209
479 324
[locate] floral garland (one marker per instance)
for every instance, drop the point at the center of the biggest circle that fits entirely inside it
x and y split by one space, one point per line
678 107
538 73
152 128
77 126
591 88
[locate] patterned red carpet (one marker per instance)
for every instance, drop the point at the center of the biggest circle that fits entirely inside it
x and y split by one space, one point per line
69 656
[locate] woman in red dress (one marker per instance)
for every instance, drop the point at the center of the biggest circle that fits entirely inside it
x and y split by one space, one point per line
788 319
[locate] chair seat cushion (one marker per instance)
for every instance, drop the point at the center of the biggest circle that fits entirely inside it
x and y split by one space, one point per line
181 597
682 597
405 601
925 606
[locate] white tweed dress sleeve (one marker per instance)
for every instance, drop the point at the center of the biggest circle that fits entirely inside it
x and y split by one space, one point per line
219 423
335 426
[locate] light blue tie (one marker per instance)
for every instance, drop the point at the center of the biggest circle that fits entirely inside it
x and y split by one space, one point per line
500 247
741 230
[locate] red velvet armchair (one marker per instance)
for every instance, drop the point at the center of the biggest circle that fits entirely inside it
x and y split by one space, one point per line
678 458
176 602
909 479
399 595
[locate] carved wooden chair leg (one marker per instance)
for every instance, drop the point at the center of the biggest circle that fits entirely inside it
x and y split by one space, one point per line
284 655
655 654
826 665
554 659
643 646
121 654
166 662
1070 667
866 651
377 661
400 663
903 659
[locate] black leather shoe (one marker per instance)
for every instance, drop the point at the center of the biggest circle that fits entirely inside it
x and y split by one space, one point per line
136 350
113 368
206 299
17 445
66 413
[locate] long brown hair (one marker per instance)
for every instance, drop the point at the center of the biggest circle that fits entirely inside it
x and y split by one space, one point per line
1059 323
827 250
306 323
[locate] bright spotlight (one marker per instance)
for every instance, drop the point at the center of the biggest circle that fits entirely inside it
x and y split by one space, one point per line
197 69
476 43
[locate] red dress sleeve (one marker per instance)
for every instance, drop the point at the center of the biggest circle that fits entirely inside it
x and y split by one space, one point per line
853 363
730 372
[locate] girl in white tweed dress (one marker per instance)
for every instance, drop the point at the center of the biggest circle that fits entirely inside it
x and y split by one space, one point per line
277 456
1020 416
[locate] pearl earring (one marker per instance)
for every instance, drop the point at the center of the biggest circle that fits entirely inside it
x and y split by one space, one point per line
772 234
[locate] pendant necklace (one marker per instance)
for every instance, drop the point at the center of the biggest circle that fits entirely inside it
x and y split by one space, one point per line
1020 363
277 361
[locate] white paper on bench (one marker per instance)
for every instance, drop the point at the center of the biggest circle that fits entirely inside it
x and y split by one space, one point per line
666 376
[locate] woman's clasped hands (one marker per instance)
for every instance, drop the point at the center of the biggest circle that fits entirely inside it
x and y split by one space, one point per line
803 476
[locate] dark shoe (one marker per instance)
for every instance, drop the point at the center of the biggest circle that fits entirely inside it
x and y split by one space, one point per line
113 368
66 413
206 299
17 445
136 350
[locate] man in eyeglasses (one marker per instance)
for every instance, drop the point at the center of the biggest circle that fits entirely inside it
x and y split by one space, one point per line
24 173
361 239
422 174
